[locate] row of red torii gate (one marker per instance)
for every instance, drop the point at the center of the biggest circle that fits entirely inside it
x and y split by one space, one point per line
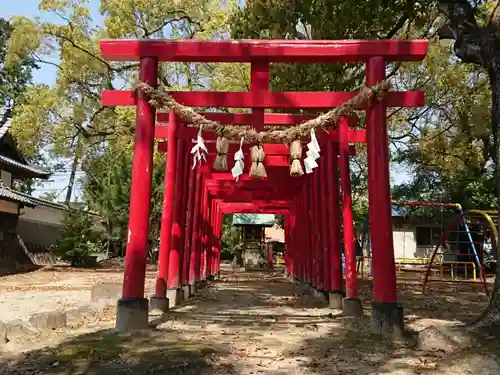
195 199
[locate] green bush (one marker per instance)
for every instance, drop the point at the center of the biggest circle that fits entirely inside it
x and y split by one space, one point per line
78 240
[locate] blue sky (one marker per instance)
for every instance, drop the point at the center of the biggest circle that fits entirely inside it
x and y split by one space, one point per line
46 74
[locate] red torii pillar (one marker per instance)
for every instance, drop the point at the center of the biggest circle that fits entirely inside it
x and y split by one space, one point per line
174 293
196 234
314 232
160 302
214 240
132 309
218 237
324 224
387 313
187 289
351 305
336 287
288 255
201 250
291 257
211 239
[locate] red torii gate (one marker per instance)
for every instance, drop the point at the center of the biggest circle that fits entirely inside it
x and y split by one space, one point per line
277 157
133 307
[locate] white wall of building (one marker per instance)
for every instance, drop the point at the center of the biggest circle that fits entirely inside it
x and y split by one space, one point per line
405 244
43 214
275 234
43 225
9 207
6 178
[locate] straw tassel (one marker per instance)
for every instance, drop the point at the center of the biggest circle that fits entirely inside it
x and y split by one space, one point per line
258 170
222 146
295 155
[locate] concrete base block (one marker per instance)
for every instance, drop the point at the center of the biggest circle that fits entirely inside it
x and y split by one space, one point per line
3 334
50 320
352 307
192 290
318 294
132 314
185 292
174 297
84 314
200 284
158 305
106 291
387 319
335 300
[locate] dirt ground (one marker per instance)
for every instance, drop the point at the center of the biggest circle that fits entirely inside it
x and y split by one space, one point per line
246 324
54 289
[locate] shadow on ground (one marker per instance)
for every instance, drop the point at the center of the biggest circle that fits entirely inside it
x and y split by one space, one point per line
108 352
352 349
19 270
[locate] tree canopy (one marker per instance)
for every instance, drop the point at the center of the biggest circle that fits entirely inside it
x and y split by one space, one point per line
14 78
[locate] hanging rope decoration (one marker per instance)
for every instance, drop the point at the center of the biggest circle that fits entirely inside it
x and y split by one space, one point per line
160 98
199 149
222 146
239 162
295 156
258 170
312 153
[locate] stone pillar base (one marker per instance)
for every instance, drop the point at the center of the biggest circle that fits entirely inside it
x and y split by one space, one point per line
352 307
200 284
192 289
186 292
158 305
132 314
174 297
387 319
335 300
318 294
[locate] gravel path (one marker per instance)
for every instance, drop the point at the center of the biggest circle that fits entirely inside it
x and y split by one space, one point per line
250 324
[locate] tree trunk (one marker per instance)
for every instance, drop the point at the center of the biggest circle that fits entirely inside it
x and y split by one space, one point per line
491 315
477 44
74 167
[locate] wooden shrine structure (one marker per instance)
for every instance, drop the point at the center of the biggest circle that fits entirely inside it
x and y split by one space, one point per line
195 199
